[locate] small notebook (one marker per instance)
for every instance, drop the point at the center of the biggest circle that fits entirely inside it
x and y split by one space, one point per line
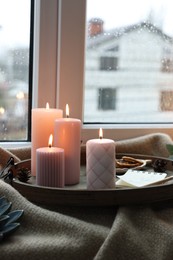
136 178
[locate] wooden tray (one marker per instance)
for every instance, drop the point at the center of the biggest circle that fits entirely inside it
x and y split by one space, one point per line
78 195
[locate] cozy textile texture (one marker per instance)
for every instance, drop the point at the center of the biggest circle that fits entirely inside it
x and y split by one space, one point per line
152 144
138 233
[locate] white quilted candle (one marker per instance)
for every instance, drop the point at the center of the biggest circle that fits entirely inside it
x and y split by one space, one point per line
100 164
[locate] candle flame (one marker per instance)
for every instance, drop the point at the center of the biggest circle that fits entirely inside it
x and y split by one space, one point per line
50 141
101 133
67 110
47 105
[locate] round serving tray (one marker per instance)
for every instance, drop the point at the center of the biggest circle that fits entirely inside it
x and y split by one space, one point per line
78 195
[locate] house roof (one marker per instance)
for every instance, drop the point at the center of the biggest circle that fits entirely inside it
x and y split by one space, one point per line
99 39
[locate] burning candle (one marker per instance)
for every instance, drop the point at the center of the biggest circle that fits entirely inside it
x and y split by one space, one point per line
50 166
68 135
42 126
100 163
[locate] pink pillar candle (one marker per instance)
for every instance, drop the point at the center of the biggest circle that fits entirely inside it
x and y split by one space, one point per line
50 167
100 164
67 135
42 126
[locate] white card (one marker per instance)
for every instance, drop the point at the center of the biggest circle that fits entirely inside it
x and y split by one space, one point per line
134 178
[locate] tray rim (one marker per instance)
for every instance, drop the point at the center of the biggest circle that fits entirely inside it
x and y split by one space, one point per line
107 197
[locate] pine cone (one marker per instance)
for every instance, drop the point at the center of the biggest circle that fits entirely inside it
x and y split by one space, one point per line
23 174
159 165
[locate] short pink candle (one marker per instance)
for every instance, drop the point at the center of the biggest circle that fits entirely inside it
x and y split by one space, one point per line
50 167
42 126
67 135
100 163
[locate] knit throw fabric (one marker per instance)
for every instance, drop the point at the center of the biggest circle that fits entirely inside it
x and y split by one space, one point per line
141 232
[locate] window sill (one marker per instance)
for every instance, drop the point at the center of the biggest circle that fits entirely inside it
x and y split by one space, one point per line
8 145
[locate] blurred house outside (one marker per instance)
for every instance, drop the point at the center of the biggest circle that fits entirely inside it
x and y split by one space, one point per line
128 74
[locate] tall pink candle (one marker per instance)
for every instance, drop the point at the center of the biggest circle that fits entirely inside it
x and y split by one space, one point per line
100 164
67 135
42 126
50 166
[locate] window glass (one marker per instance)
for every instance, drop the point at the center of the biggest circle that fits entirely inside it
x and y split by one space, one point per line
129 62
14 69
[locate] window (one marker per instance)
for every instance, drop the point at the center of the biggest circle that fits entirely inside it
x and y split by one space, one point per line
108 63
15 69
167 65
166 100
143 41
69 76
167 60
106 99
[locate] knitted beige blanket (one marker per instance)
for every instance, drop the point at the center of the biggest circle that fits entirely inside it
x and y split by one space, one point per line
134 233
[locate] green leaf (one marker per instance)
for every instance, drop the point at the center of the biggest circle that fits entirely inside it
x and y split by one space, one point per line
170 148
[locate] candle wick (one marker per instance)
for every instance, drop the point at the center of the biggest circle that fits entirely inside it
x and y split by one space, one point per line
50 145
67 116
101 137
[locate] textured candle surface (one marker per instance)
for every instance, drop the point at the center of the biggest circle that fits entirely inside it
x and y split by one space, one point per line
67 135
100 164
42 126
50 167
